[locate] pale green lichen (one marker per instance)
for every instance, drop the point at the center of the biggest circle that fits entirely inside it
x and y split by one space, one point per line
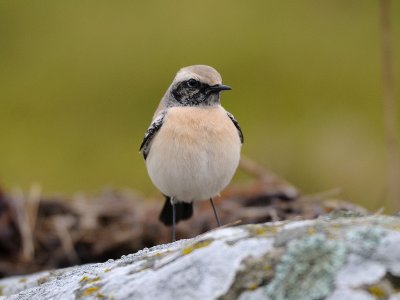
364 240
253 273
287 235
307 269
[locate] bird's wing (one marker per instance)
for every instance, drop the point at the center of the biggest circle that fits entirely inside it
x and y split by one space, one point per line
236 123
151 133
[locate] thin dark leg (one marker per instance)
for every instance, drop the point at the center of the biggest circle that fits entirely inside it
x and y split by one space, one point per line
215 212
173 220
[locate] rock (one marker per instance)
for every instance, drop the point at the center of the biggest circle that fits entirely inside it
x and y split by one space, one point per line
332 257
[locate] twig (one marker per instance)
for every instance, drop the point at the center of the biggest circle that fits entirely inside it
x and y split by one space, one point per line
32 204
28 249
61 225
274 183
389 106
253 168
379 211
324 195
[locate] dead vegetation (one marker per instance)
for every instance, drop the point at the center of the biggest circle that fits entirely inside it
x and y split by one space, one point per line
39 233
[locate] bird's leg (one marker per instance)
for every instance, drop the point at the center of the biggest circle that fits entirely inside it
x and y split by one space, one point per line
173 220
215 212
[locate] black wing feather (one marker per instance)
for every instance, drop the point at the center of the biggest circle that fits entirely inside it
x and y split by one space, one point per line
236 123
150 133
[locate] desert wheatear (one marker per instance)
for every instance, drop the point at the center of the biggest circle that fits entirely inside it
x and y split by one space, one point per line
192 147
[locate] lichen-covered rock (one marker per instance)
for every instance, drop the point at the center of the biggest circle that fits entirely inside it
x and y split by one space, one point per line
331 258
309 262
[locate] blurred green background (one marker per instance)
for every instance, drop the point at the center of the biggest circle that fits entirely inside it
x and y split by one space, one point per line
79 81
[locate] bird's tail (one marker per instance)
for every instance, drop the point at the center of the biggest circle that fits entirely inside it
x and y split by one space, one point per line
183 211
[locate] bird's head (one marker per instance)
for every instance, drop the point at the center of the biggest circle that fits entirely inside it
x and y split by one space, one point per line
197 85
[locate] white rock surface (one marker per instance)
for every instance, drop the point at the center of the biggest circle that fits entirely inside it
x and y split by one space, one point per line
328 258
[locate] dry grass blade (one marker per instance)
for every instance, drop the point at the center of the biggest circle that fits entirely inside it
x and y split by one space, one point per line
25 229
61 224
390 106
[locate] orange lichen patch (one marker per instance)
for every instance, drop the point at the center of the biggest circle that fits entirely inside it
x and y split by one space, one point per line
262 230
267 268
90 290
252 286
377 290
196 246
88 279
311 230
266 230
395 227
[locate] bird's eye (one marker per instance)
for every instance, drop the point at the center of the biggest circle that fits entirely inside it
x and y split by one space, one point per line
192 83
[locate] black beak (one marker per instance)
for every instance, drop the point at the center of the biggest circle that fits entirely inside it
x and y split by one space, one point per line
218 88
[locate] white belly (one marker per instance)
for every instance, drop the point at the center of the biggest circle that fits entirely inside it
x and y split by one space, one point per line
195 154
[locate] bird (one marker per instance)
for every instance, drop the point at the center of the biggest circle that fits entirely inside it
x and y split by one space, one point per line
192 146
